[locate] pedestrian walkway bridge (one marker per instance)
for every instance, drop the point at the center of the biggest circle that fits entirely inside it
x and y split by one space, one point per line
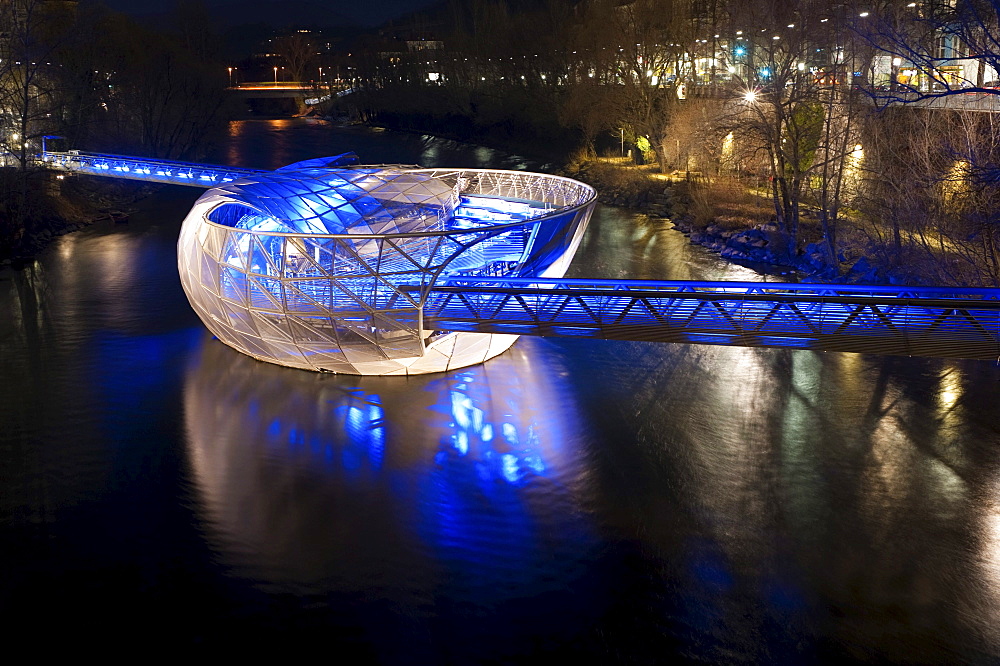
918 321
142 168
923 321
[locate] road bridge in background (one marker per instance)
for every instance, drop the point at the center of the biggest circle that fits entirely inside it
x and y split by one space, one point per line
309 92
266 89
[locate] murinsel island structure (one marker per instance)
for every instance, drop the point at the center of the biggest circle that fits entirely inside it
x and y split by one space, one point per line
306 266
393 270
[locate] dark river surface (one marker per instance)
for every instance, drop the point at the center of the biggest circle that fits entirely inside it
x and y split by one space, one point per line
601 502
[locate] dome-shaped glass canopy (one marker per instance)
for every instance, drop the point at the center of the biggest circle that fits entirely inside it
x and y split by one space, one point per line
326 267
337 201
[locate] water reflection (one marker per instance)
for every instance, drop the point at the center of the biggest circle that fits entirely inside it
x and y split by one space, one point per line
619 502
454 485
624 245
798 496
291 139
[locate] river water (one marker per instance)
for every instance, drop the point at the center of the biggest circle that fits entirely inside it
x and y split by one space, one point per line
607 502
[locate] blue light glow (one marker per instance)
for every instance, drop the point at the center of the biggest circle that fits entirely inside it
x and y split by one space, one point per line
301 259
775 341
513 458
363 422
709 339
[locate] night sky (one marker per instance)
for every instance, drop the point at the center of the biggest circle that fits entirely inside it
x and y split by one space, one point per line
283 12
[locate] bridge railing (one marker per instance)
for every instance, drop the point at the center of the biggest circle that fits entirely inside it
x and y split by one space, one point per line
924 321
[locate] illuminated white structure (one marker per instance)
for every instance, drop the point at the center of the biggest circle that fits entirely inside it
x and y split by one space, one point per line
326 268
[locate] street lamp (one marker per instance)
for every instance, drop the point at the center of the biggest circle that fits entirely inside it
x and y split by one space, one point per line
230 76
275 76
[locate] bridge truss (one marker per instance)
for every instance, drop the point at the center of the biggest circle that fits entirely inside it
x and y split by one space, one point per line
917 321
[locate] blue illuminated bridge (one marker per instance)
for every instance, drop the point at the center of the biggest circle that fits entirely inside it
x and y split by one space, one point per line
363 269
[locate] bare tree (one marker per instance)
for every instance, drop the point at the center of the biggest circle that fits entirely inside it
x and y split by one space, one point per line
646 49
160 99
799 108
32 32
298 51
934 48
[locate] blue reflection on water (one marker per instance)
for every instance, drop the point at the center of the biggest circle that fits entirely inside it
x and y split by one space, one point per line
496 507
357 416
500 451
459 492
364 424
464 468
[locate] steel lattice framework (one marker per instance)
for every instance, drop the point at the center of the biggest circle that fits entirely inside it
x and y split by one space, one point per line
920 321
311 266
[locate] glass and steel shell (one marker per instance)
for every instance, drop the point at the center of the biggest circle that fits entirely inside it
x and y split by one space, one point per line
327 268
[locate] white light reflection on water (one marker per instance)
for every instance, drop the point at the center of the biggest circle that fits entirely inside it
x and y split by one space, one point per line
989 554
466 486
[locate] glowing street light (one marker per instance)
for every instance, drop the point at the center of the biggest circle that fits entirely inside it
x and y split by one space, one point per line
276 77
750 96
230 76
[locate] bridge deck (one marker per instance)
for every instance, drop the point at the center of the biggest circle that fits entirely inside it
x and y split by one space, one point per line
146 169
917 321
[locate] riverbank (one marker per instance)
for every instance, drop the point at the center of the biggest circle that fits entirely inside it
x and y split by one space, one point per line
739 226
64 205
729 220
